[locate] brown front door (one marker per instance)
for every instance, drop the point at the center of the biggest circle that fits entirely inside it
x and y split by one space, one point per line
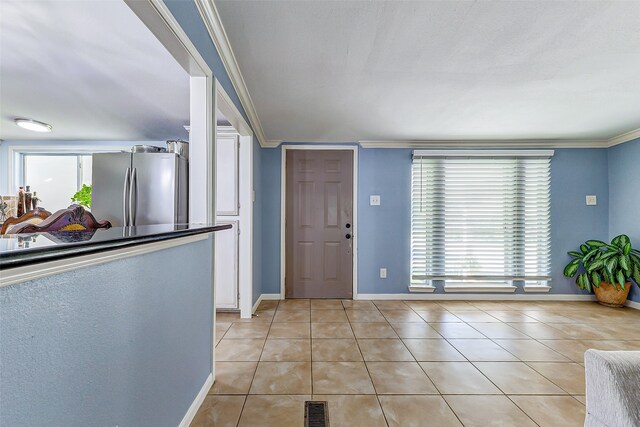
319 224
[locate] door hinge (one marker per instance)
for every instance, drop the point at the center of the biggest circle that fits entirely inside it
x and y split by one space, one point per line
238 230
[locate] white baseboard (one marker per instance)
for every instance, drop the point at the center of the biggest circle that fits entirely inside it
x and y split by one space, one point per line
480 297
264 297
633 304
193 409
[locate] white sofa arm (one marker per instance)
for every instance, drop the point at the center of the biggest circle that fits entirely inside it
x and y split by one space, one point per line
613 388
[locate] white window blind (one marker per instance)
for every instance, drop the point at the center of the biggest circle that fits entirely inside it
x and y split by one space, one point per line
481 220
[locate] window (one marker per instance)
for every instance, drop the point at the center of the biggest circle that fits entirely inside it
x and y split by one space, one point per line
480 221
56 177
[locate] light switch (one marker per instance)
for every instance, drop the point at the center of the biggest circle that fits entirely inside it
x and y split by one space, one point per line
374 200
592 200
383 273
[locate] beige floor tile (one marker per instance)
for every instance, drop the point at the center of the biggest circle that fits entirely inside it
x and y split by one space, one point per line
547 316
539 331
359 305
552 411
294 304
233 377
219 411
488 411
341 378
405 316
328 316
568 376
437 350
248 330
581 332
239 350
531 351
364 315
613 345
489 305
373 330
415 330
475 316
384 350
292 316
423 411
580 398
263 317
458 378
335 350
456 330
282 378
391 305
273 411
400 378
221 329
517 378
331 330
353 410
290 330
457 305
438 316
424 305
498 330
511 316
572 349
267 305
326 304
286 350
485 350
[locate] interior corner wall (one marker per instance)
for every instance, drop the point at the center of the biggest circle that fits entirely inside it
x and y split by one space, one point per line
384 231
624 195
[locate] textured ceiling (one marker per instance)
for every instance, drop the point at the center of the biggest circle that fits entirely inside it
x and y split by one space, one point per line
89 68
363 70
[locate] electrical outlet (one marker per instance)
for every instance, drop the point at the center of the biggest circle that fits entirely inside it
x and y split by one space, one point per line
383 273
592 200
374 200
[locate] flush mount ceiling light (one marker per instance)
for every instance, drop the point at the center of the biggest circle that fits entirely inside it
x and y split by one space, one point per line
34 125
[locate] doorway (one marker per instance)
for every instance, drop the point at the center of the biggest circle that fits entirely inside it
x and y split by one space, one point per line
319 222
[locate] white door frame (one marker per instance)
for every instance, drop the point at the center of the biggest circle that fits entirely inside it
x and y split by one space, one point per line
283 207
245 264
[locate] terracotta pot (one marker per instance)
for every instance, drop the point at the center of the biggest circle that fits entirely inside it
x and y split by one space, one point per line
610 296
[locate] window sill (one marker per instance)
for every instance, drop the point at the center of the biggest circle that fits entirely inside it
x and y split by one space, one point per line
536 288
421 288
489 288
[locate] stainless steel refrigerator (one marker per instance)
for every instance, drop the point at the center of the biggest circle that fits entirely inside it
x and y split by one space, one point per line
140 188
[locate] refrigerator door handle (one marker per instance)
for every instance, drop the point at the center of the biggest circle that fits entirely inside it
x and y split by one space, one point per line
133 200
125 197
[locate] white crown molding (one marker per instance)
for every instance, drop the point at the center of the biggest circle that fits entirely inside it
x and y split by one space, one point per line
488 143
625 137
271 143
216 30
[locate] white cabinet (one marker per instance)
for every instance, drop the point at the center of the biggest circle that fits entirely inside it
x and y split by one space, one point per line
227 175
226 267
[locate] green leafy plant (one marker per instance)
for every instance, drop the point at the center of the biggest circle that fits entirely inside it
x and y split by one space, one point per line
83 196
598 262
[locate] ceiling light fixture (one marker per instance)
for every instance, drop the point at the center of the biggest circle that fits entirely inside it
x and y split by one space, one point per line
33 125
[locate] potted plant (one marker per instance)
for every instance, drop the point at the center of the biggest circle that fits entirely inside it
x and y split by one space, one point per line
606 269
83 196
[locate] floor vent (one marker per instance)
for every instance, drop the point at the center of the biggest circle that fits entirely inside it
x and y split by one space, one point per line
316 414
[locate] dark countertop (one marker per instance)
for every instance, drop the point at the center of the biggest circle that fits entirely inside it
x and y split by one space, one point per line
17 250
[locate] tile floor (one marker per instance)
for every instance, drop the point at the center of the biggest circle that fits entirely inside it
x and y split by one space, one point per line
411 363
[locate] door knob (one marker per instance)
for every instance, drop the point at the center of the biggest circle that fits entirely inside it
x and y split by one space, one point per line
348 236
348 225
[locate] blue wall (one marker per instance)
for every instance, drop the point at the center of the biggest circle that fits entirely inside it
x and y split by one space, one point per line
384 231
124 343
624 195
